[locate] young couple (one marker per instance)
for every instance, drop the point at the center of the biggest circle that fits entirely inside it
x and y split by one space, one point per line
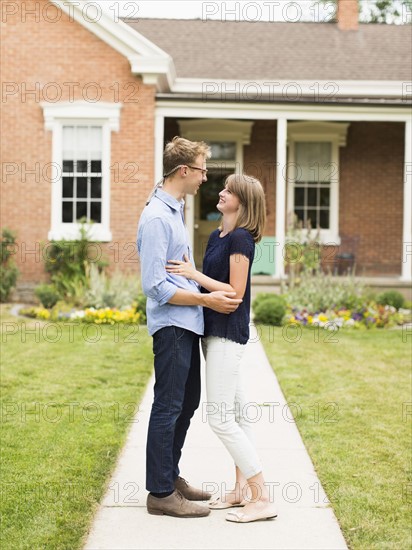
184 305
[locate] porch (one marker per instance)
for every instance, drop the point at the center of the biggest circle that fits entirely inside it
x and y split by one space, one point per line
365 214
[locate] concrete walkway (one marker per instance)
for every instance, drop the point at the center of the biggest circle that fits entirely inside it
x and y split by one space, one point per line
305 520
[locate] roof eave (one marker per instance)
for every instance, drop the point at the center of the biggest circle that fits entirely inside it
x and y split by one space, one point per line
155 70
370 101
316 89
146 59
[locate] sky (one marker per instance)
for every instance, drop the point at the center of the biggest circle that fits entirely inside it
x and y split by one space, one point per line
288 11
261 10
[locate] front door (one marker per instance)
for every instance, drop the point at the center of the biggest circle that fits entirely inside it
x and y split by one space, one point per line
207 217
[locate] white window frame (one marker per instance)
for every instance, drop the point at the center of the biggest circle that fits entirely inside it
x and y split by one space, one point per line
330 132
58 115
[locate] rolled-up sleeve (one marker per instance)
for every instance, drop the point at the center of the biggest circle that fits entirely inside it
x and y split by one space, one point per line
153 243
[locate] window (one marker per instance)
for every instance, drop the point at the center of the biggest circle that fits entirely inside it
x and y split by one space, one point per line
313 175
312 183
81 160
224 150
82 174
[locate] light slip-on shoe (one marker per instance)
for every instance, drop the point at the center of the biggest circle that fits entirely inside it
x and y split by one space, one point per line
189 492
219 504
268 512
175 505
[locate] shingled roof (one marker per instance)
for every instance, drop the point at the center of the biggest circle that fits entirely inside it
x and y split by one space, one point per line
267 50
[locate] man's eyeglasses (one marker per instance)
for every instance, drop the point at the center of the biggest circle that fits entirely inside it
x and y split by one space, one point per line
203 170
160 182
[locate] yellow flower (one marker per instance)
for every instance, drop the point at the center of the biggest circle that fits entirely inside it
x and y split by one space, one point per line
43 314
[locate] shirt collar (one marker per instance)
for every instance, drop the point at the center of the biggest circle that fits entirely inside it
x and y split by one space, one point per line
169 200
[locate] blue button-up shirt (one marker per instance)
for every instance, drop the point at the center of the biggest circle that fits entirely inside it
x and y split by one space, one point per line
162 236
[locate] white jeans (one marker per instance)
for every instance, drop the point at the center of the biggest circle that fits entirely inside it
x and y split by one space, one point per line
226 402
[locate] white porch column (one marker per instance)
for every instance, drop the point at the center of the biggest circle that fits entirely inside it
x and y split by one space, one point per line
280 196
159 130
407 206
190 217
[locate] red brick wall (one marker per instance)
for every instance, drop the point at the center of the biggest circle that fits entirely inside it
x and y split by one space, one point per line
39 51
371 195
259 160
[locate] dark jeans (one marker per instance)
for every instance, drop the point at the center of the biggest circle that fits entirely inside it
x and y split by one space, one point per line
176 397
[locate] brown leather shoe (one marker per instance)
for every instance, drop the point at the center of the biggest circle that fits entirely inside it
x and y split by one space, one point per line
175 505
190 492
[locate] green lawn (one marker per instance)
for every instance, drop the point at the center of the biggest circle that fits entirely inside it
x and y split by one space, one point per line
355 417
68 396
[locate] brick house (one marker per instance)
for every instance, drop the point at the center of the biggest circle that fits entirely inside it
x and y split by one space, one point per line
320 112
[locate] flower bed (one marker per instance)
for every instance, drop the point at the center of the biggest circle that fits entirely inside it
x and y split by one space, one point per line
102 316
107 315
368 316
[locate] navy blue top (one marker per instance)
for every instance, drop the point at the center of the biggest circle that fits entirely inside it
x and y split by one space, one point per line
234 326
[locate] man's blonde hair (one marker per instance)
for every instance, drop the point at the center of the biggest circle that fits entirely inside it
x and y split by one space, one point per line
252 208
182 151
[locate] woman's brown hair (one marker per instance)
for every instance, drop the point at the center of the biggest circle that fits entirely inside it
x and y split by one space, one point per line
252 209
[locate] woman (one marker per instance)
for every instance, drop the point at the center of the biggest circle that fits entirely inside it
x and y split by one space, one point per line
226 266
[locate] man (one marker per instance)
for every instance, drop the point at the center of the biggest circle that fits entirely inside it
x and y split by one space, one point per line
175 320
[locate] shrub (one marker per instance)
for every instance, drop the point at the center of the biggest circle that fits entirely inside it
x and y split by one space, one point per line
8 269
270 310
48 295
302 249
321 291
118 291
69 264
140 307
261 298
391 298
